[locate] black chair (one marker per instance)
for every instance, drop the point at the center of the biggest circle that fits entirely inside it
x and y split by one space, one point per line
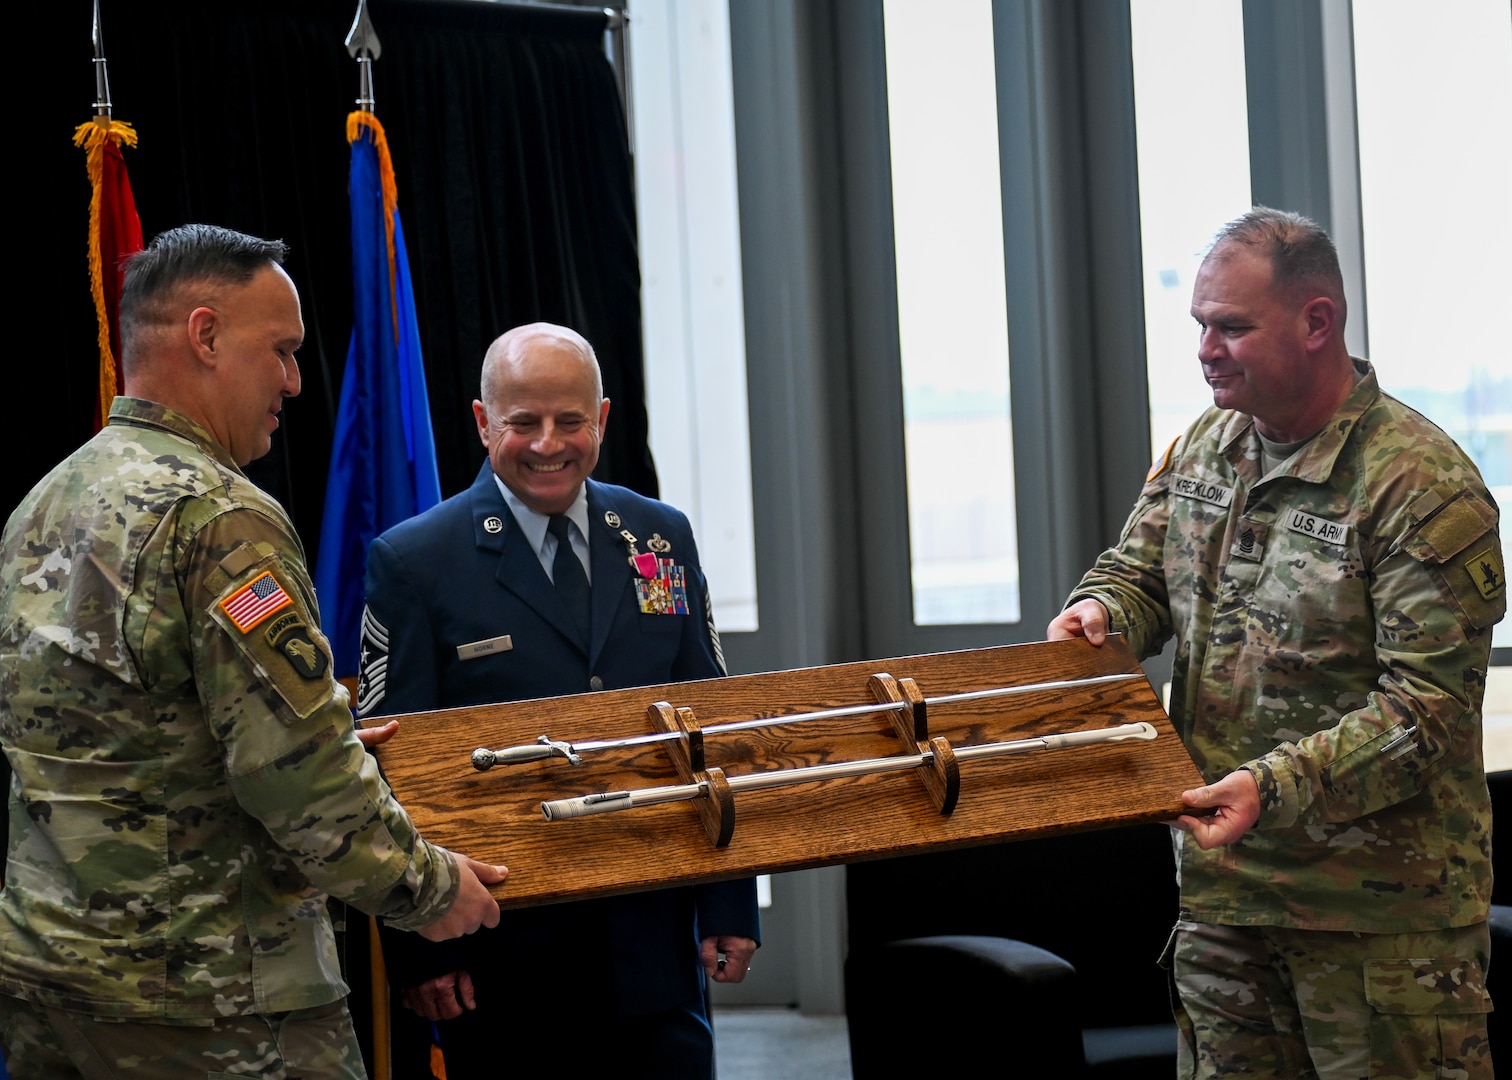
1048 946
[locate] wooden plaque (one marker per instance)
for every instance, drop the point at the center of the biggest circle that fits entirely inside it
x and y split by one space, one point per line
496 815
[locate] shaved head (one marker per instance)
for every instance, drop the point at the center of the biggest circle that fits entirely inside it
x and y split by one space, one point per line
542 414
509 349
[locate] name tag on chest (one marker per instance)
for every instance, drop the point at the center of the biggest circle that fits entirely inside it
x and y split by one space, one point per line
1202 490
474 649
1330 532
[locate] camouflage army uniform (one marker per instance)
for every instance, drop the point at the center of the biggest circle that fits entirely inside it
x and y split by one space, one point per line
188 787
1333 624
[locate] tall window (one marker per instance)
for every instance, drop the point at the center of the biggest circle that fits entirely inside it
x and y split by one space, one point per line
1194 175
692 301
1434 106
952 311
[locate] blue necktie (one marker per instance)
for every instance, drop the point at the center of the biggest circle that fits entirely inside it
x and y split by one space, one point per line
569 578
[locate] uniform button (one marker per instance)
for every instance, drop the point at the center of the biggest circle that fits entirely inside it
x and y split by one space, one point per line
595 683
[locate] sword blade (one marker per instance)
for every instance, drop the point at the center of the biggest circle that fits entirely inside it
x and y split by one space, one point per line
484 759
604 802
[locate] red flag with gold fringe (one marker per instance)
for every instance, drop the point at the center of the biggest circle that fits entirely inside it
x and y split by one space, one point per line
115 232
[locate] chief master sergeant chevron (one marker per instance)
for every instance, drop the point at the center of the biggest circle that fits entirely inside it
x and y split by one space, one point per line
1328 561
188 785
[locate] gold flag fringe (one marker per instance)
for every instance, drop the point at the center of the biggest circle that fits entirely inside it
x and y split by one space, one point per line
92 135
356 122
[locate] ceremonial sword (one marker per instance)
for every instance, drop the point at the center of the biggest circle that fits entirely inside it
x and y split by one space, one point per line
484 759
606 801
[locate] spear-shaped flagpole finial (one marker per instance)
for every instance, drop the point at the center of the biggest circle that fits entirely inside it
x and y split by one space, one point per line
102 79
363 46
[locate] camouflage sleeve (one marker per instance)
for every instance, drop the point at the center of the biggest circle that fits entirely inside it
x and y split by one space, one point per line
1129 578
285 732
1436 593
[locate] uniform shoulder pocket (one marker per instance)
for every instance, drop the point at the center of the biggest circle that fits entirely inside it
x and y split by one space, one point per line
1455 534
261 610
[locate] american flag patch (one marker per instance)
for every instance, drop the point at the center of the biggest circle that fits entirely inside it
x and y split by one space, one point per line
255 601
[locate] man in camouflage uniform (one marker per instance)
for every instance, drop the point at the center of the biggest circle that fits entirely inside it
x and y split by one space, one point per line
188 785
1328 561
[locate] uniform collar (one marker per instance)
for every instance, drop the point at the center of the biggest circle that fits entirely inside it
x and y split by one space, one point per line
532 523
138 412
1314 463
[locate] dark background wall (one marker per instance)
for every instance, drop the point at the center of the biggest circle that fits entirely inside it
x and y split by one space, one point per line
514 181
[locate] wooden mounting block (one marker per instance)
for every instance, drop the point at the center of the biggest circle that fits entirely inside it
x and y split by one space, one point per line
496 815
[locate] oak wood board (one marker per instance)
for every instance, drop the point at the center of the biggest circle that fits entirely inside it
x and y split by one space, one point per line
496 815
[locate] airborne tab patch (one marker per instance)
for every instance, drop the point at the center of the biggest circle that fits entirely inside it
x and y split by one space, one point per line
255 601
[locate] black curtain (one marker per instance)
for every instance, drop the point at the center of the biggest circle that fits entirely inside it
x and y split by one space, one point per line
515 190
510 153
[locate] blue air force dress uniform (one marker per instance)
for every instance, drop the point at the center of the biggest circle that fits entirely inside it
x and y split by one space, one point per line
460 611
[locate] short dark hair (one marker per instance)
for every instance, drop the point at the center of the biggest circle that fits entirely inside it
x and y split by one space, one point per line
1298 248
198 254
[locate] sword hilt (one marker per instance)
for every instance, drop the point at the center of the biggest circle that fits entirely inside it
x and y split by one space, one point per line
484 759
603 802
600 803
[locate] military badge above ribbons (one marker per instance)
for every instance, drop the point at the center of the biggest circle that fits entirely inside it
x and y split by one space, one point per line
661 586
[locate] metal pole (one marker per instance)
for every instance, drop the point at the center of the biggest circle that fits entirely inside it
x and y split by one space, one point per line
102 77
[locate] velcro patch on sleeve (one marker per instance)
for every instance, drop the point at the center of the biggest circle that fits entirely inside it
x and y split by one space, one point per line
265 618
1455 525
255 601
1457 536
243 557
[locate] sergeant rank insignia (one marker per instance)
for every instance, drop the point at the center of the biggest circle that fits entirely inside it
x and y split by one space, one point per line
662 589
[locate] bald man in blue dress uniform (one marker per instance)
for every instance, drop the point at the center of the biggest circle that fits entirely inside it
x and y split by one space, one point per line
521 587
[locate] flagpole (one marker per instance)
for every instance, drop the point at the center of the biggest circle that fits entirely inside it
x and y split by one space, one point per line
358 47
102 76
383 458
115 231
362 45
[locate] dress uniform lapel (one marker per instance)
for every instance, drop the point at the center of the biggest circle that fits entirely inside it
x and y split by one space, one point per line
611 569
519 569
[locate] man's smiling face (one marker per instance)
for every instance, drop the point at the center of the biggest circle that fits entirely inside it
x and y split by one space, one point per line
545 422
1252 343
